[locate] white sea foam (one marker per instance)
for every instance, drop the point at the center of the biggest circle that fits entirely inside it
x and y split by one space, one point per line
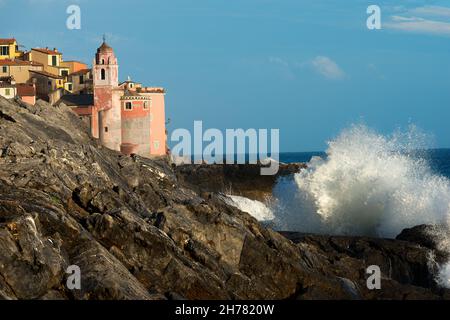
368 184
255 208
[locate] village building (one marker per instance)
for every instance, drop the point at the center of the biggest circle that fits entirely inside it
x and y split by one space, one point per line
9 49
126 117
46 84
50 59
18 69
26 92
8 88
81 82
74 66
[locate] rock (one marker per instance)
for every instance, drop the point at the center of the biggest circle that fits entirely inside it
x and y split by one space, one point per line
235 179
403 265
139 229
425 235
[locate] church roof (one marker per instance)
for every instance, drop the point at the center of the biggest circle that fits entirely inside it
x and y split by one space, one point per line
133 95
104 47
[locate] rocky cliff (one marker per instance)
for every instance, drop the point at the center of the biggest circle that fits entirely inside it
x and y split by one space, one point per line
136 232
236 179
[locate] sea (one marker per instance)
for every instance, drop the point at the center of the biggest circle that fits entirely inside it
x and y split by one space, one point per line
364 184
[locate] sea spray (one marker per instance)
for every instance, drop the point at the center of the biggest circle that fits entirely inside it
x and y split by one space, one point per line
368 184
255 208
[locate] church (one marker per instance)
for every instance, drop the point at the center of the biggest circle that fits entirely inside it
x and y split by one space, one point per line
126 116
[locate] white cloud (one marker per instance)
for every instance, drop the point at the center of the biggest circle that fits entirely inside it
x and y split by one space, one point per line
419 25
432 11
327 68
426 19
279 61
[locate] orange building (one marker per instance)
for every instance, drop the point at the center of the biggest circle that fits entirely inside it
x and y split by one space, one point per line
26 92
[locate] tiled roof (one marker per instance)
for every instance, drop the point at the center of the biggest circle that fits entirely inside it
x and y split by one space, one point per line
7 41
47 74
152 90
73 100
83 71
46 51
25 90
16 62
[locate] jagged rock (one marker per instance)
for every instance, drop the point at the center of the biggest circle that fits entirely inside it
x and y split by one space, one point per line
236 179
138 231
404 265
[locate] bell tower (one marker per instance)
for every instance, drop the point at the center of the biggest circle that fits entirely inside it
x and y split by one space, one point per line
106 69
106 112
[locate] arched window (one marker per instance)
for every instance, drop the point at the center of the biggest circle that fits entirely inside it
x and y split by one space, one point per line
103 75
103 61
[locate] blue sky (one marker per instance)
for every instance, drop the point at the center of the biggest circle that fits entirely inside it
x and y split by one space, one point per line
308 67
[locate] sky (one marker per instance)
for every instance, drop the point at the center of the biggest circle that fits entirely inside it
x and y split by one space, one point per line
310 68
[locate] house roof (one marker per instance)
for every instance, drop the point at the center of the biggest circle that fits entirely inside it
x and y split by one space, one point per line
7 41
17 62
77 100
47 74
47 51
83 71
25 90
152 90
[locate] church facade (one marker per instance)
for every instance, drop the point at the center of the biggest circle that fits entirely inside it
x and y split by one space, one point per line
125 116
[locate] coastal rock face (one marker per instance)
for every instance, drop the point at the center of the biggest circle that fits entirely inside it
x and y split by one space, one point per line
406 268
137 232
234 179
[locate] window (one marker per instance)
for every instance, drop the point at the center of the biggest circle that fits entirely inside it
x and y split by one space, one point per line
103 75
54 61
4 69
4 50
106 129
70 87
103 61
64 73
81 79
128 106
156 144
146 105
7 92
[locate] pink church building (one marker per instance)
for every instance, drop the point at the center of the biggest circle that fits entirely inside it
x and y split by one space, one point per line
125 116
